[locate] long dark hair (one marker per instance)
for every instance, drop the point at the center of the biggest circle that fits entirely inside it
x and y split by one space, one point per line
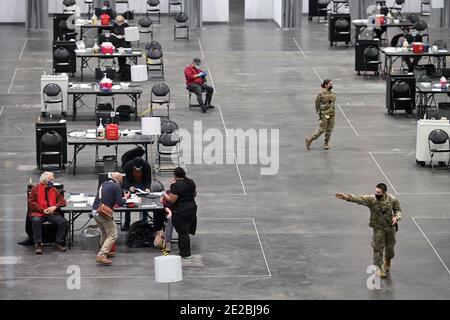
325 83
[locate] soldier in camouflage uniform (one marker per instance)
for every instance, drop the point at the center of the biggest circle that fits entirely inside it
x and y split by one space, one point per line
325 107
385 212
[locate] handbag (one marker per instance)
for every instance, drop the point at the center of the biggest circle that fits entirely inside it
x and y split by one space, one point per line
103 209
160 240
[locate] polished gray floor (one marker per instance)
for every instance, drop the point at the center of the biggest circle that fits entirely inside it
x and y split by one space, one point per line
259 237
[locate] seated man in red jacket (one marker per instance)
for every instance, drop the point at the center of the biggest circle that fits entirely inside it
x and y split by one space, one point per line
196 82
44 201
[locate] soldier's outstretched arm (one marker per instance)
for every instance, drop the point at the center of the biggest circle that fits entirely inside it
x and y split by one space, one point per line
362 200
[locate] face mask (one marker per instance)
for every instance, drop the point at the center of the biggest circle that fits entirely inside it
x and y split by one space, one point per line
50 184
379 196
330 88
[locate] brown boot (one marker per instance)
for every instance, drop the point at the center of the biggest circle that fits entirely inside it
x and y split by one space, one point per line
59 247
326 145
38 248
380 272
387 265
102 260
308 142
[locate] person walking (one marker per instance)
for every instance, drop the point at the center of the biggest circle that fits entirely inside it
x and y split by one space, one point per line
109 194
325 107
385 213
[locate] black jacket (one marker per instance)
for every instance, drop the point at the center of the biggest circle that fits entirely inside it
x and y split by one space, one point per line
120 30
146 176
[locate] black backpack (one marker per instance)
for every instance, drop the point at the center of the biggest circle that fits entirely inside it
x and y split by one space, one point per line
141 234
124 112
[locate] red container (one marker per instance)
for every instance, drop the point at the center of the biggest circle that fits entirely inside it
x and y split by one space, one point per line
105 19
380 19
417 47
107 48
112 131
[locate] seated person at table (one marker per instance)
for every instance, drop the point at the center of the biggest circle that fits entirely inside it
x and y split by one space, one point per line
196 82
410 62
44 202
104 7
118 31
138 175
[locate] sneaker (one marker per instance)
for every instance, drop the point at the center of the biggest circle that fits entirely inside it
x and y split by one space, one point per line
111 254
103 260
187 258
59 247
211 106
204 108
38 248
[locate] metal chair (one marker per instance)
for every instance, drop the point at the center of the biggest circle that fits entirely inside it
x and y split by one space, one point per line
90 4
160 95
425 3
51 146
168 146
181 24
168 126
190 99
438 137
52 94
155 62
322 8
145 25
396 9
153 45
69 6
413 18
175 3
62 60
422 26
154 8
371 60
402 97
123 2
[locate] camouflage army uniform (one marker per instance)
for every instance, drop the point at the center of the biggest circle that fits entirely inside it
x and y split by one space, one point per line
381 214
325 107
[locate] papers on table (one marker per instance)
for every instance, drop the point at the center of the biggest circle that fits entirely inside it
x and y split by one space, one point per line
142 191
153 205
91 136
80 205
393 49
134 199
77 198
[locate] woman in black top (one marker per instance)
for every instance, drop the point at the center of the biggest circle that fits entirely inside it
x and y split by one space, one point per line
184 217
118 31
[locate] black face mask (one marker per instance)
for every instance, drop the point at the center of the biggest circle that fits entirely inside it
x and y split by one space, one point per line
330 88
379 196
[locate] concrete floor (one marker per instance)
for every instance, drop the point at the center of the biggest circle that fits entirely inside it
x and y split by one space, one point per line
259 237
